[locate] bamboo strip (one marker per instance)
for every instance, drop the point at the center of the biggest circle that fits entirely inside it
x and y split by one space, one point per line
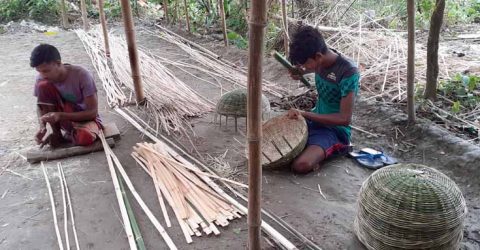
121 203
65 214
72 217
52 203
140 201
131 216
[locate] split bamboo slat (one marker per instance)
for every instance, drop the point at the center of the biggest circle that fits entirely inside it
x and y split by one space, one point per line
197 207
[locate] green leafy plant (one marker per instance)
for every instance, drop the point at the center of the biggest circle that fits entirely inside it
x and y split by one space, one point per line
464 90
237 40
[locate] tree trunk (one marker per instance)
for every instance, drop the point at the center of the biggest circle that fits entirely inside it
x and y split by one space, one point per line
258 22
187 18
432 50
103 22
165 10
411 61
64 15
285 27
224 23
83 7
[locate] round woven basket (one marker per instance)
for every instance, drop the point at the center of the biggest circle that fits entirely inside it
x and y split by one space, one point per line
283 140
410 206
234 103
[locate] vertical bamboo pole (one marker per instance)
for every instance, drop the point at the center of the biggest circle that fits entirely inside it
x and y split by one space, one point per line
285 27
187 18
64 15
293 9
175 13
132 49
411 61
103 21
165 10
224 23
83 7
258 21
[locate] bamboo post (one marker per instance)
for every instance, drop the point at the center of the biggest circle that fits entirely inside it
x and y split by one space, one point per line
293 9
187 18
132 49
224 23
258 21
83 7
165 10
285 27
103 21
175 12
411 61
64 15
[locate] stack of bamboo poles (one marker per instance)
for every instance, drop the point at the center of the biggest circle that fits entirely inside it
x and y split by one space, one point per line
197 207
66 200
170 100
213 63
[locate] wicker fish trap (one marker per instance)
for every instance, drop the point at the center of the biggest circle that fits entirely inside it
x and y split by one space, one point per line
283 140
410 206
234 103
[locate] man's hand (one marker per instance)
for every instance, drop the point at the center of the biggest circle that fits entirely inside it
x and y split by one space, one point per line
40 134
294 113
52 117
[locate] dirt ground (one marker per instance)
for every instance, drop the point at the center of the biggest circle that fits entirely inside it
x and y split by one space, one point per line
25 213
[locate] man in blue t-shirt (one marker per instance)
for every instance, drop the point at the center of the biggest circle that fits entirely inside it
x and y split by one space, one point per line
337 83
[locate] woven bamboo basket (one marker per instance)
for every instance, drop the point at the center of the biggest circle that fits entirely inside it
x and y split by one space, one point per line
234 103
410 206
283 140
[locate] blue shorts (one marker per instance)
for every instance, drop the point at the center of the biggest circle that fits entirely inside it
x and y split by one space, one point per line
332 140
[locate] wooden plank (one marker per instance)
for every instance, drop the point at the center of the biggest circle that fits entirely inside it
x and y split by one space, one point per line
110 130
37 155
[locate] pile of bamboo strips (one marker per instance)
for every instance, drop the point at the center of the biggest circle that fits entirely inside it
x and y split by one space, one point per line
66 200
197 207
114 165
169 99
212 62
93 44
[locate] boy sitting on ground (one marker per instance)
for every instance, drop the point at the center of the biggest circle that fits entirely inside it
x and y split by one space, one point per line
337 83
66 99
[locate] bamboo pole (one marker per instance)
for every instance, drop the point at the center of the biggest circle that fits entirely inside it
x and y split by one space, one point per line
52 203
132 49
258 21
83 7
103 21
64 14
187 18
224 23
411 61
165 10
175 12
285 27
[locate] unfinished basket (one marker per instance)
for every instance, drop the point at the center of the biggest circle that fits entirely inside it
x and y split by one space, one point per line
234 103
283 140
410 206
